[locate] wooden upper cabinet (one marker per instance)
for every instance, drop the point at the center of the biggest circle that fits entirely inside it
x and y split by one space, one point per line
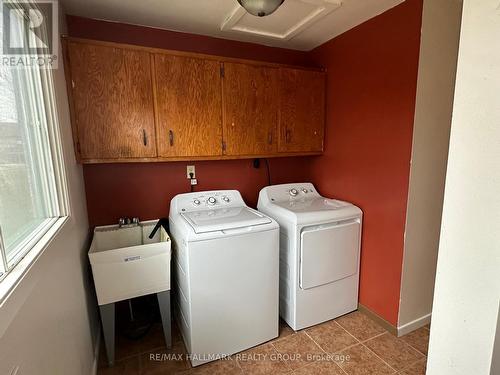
302 110
188 104
131 103
112 102
250 109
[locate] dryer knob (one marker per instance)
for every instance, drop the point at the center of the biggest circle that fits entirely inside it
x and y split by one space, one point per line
305 191
196 202
211 200
293 192
225 199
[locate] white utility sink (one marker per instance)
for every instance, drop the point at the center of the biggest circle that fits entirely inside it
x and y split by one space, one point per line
127 264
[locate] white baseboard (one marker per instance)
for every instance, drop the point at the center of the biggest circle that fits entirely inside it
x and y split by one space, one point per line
96 352
381 321
413 325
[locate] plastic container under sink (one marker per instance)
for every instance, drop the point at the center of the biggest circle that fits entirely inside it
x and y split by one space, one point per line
127 264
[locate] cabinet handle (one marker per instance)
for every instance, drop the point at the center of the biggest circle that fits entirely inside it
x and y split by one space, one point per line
270 138
171 137
287 136
144 137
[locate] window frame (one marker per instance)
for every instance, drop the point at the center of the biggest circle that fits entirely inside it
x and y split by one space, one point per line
44 105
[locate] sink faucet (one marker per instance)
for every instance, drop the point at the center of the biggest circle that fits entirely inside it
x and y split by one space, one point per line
126 221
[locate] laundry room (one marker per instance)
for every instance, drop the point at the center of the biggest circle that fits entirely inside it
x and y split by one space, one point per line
248 187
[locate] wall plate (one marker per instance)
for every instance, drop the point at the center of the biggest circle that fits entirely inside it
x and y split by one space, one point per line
190 169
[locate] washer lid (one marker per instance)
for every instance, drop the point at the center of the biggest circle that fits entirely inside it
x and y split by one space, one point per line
220 219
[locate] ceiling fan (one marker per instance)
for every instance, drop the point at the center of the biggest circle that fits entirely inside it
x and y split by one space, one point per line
260 8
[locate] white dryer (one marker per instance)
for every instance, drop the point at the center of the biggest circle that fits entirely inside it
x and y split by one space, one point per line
319 253
226 274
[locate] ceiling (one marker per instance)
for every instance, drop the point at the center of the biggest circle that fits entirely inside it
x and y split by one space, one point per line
297 24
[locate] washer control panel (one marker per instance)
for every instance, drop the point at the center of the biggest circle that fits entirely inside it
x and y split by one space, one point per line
208 200
212 200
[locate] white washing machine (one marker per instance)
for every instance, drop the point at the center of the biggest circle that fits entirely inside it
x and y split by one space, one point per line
226 274
319 253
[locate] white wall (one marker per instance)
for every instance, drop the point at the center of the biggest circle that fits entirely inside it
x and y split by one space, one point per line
467 287
431 133
49 323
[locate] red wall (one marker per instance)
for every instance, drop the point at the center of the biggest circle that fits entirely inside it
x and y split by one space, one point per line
372 71
372 76
145 190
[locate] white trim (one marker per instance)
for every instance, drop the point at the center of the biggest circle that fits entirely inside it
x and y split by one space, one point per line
14 276
55 141
3 255
28 242
414 324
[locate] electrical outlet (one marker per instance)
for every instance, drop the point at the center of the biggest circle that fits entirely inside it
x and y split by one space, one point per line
190 169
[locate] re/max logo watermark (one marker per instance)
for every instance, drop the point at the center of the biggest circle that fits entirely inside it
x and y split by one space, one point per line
29 33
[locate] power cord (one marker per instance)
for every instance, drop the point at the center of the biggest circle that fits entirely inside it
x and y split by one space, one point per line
256 165
268 172
191 175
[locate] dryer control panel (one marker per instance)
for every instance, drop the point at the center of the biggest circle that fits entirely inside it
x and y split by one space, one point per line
299 197
207 200
291 192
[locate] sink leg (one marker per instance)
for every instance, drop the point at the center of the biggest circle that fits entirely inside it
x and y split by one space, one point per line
164 303
108 327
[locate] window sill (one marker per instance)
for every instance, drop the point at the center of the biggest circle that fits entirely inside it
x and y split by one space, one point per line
10 280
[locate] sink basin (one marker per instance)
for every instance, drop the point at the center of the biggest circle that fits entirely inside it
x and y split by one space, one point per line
127 264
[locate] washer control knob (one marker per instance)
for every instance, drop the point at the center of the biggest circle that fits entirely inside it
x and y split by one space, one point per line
305 191
225 199
196 202
293 192
211 201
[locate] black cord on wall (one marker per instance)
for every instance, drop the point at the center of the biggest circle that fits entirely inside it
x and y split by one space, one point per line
256 165
268 172
192 186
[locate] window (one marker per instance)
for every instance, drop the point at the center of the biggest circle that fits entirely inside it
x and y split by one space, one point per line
32 197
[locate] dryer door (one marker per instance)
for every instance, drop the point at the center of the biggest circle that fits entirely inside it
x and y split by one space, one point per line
328 253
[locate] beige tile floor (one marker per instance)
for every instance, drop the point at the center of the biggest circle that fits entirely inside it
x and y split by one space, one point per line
352 344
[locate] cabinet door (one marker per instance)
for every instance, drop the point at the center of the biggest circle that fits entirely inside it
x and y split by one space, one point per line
251 109
302 118
112 101
188 102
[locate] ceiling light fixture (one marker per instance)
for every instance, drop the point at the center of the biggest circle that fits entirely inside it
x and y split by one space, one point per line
260 8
